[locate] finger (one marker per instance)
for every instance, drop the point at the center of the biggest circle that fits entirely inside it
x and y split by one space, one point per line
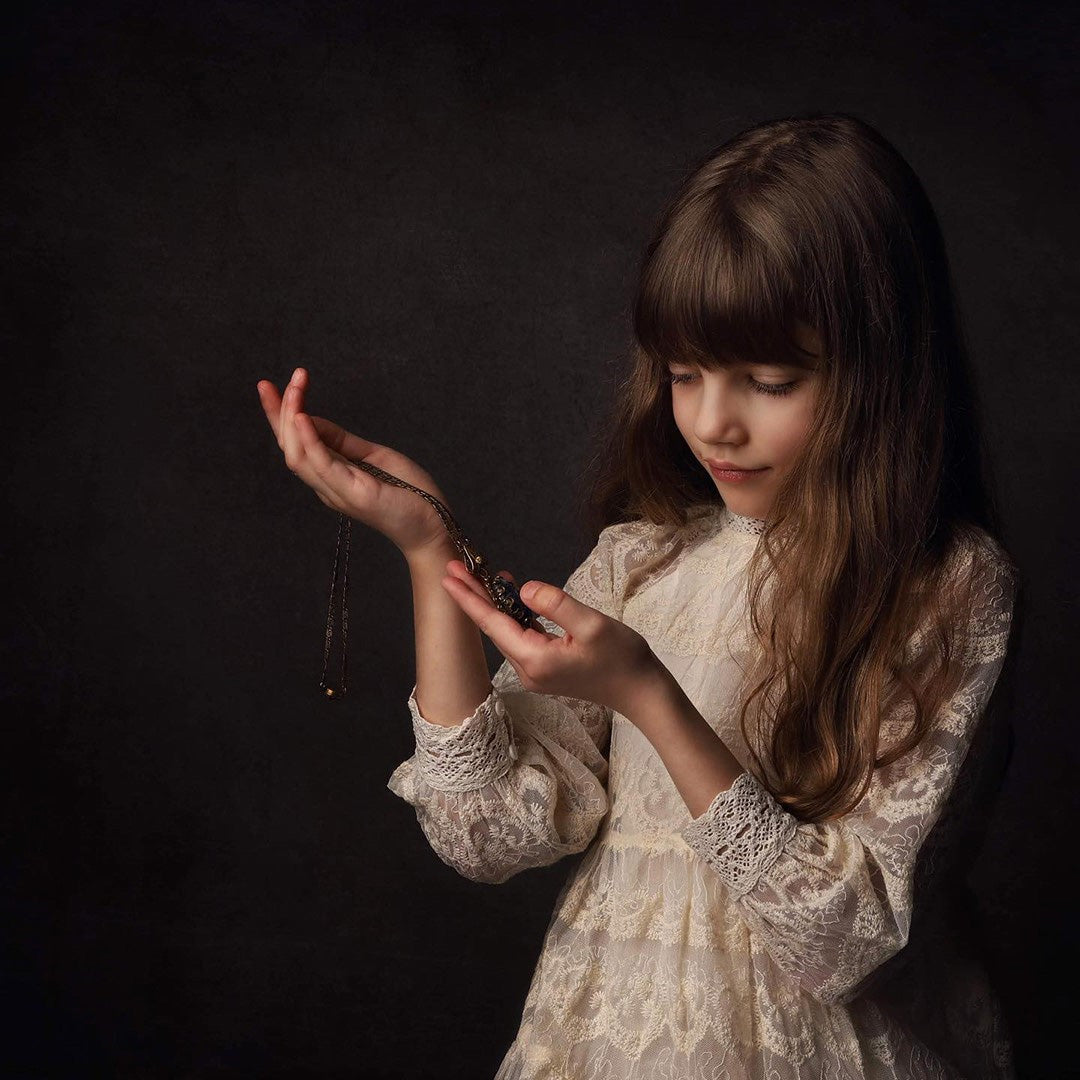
458 569
271 403
292 403
560 607
510 638
344 442
327 472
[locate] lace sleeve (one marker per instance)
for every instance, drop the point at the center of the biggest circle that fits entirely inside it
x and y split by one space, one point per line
521 782
832 902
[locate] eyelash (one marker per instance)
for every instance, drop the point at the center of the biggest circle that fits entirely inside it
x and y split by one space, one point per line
775 389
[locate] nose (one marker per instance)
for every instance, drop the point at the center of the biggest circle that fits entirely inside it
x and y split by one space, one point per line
719 419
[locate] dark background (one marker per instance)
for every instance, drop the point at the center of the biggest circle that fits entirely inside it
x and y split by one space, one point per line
439 211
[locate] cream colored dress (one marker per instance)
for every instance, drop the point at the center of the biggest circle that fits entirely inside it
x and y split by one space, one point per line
743 943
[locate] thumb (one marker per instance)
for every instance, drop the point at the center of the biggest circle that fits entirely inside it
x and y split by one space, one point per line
541 596
558 606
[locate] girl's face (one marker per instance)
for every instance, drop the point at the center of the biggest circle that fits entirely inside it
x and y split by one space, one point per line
750 417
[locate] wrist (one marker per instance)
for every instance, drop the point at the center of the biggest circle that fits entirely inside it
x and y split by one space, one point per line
652 690
433 556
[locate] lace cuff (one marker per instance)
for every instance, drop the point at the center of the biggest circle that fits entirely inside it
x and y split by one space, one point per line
742 833
468 755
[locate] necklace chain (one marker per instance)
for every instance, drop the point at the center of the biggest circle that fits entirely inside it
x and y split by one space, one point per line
503 593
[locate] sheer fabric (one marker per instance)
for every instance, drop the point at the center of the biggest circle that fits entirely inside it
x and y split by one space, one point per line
743 943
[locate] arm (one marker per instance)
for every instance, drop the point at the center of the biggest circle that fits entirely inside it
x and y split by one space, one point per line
697 759
451 668
831 902
520 781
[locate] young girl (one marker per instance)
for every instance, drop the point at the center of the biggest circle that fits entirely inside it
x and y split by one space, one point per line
753 699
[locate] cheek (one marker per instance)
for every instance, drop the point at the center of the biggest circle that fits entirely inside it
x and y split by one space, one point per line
784 430
681 417
793 428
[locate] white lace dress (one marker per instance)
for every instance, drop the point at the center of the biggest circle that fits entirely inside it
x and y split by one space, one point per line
743 943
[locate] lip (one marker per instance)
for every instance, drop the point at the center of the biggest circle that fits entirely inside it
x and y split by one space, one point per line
729 466
725 470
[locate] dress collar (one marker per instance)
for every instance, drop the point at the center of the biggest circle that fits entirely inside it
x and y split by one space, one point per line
750 525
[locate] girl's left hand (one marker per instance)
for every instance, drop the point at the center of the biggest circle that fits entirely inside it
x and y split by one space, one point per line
599 659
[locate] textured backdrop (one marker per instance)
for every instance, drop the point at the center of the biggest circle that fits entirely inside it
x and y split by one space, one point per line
439 211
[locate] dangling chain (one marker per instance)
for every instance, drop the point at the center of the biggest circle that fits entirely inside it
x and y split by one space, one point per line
503 593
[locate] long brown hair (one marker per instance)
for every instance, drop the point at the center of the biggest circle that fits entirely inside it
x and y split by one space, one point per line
819 220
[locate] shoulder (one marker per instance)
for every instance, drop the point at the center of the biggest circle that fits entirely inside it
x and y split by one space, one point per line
631 552
971 595
624 546
641 531
626 533
984 579
979 557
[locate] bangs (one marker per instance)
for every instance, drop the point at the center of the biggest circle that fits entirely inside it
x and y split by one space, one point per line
713 294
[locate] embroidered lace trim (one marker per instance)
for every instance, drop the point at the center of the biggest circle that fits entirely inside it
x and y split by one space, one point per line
754 526
742 833
468 755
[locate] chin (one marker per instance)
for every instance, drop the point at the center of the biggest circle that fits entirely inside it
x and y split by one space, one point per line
745 509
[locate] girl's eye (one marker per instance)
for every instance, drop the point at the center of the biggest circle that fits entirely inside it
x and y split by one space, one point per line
772 388
760 387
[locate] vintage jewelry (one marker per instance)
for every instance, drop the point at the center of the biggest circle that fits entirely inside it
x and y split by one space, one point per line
504 594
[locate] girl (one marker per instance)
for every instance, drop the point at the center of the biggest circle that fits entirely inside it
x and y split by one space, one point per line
753 699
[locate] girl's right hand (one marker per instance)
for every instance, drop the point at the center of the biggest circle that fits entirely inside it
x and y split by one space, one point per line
319 452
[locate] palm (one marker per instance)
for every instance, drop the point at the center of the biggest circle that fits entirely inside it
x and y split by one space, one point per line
350 448
321 453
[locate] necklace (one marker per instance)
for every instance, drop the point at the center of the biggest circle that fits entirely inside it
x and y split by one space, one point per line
503 593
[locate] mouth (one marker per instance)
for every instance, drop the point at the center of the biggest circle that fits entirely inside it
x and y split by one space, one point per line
725 470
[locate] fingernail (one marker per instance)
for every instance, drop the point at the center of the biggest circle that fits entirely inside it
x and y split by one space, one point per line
296 375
